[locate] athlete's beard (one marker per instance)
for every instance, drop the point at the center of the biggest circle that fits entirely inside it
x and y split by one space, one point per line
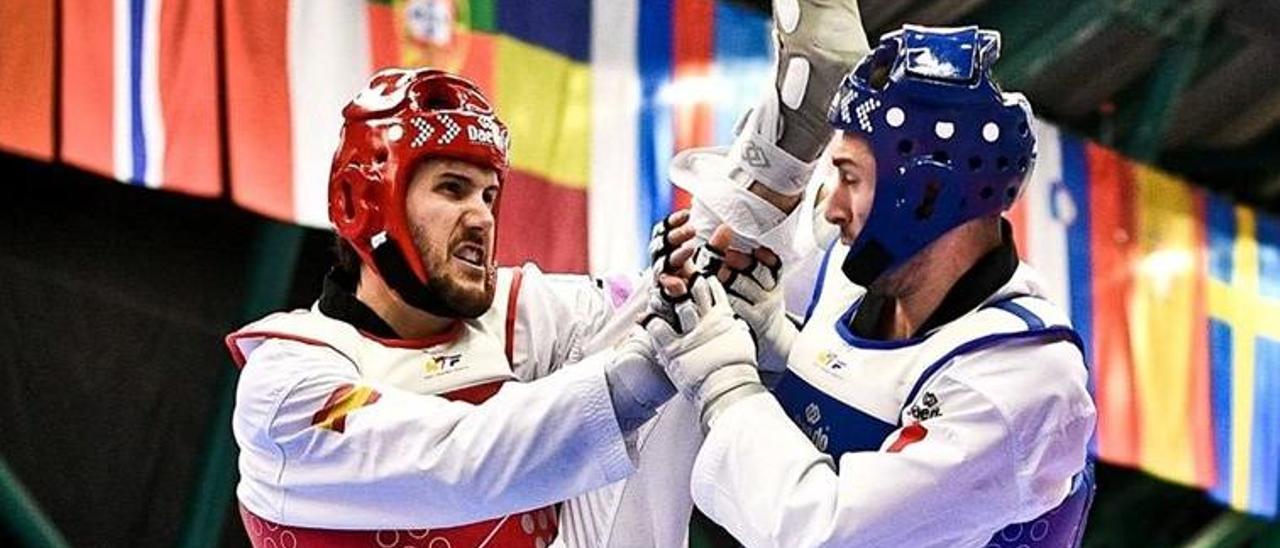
446 297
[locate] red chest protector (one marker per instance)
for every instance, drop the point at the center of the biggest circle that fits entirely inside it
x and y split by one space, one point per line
532 529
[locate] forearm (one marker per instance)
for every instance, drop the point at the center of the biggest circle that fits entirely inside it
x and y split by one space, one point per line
762 479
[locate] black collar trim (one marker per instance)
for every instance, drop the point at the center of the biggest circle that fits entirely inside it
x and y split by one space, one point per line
338 301
992 271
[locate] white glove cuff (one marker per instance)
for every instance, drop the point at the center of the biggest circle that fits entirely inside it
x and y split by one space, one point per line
732 385
757 157
704 173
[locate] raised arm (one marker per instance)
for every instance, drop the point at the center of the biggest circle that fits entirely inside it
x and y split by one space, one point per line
316 437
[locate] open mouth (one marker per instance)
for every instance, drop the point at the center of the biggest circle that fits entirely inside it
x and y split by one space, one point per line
470 254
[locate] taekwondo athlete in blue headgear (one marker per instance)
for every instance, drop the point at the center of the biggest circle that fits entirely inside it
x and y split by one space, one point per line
933 396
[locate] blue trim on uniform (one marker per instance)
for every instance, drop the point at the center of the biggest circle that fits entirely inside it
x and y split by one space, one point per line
138 141
1063 526
846 333
817 285
1033 321
1056 332
834 427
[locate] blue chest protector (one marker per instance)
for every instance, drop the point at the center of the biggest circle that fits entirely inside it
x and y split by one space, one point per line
837 427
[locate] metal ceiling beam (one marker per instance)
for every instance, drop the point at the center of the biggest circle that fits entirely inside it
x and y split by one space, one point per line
1172 74
1038 33
943 13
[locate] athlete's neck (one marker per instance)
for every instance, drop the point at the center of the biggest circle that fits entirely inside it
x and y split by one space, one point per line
918 288
407 321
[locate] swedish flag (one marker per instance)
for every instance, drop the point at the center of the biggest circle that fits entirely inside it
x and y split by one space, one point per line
1244 345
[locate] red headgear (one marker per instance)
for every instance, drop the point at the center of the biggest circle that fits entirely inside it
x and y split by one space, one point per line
402 117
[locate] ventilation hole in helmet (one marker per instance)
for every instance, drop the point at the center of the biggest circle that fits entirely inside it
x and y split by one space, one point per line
931 191
1022 164
440 98
986 192
879 78
1002 163
1011 192
941 156
905 147
380 156
975 163
1023 129
348 203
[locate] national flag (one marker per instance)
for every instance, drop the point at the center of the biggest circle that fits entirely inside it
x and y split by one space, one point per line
292 66
342 402
1244 343
702 65
1166 327
1052 223
1111 243
27 63
139 92
617 229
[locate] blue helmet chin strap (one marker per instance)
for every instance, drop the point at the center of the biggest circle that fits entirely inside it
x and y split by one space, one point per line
949 145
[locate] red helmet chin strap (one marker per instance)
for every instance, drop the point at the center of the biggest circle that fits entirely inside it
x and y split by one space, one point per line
401 118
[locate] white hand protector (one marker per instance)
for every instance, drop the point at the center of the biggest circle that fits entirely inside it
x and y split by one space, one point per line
780 141
756 297
707 352
819 42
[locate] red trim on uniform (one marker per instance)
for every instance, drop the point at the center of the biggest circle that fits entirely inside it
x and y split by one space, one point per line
911 434
240 358
538 527
517 275
451 334
475 395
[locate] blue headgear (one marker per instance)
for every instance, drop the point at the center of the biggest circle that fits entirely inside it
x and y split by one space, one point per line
949 145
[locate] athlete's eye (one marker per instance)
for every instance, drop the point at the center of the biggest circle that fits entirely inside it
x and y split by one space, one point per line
848 175
452 187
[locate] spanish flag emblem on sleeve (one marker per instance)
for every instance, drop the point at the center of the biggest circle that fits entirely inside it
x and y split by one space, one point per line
344 399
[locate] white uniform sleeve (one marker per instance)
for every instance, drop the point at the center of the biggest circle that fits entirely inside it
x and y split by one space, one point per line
561 318
321 448
1002 451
